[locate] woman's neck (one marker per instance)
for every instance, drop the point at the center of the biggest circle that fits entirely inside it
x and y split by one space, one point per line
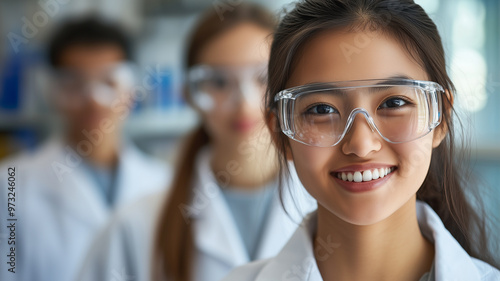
244 168
393 249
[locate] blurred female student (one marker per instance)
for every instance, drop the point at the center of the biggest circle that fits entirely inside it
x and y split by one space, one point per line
360 91
223 208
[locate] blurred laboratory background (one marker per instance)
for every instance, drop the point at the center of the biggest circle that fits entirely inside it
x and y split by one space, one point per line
470 31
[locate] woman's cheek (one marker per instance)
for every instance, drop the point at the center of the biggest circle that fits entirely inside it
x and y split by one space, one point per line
415 158
217 125
312 165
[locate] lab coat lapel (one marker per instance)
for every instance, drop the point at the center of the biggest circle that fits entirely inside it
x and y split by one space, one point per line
215 231
273 236
78 194
84 200
281 225
451 261
127 187
296 260
137 175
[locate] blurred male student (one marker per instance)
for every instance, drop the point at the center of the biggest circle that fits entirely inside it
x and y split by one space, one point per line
67 189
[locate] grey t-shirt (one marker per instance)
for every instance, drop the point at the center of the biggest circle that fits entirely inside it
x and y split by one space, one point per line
104 179
250 209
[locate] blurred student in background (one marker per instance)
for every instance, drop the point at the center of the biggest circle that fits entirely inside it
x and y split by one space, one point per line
67 189
223 208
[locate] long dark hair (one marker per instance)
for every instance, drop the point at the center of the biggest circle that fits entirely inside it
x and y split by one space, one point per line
174 245
445 188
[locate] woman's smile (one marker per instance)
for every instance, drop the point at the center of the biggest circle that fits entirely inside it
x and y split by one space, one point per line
361 178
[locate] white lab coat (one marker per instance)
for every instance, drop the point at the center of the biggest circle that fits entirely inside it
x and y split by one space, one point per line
124 250
58 217
296 260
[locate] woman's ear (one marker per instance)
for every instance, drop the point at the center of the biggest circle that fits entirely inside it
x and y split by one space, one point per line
274 129
288 153
441 131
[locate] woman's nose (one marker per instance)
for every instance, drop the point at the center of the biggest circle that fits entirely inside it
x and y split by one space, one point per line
361 139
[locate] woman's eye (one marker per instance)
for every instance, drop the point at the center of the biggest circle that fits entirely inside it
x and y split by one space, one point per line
393 103
321 109
111 82
220 82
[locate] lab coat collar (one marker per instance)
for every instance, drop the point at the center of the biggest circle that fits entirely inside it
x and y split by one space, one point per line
285 215
216 233
70 186
296 260
451 261
132 163
80 197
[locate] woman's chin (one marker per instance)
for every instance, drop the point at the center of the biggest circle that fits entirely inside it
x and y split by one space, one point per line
362 213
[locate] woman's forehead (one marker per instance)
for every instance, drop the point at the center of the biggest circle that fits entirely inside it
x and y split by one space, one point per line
243 44
342 56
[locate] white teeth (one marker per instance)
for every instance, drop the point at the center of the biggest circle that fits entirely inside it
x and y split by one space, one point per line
358 177
381 172
367 175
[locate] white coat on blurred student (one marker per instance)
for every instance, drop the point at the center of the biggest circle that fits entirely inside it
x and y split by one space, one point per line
67 189
59 214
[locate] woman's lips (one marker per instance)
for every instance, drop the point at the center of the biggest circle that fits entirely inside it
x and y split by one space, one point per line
369 177
243 125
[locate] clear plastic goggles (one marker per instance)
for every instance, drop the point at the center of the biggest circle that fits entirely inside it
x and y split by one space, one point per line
73 87
215 88
321 114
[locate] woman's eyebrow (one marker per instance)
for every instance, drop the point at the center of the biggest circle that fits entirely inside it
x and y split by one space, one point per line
391 81
392 78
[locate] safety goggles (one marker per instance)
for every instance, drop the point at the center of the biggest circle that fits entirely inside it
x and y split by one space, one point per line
321 114
218 88
73 87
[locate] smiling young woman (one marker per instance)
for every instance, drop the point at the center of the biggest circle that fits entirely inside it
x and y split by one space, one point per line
361 94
